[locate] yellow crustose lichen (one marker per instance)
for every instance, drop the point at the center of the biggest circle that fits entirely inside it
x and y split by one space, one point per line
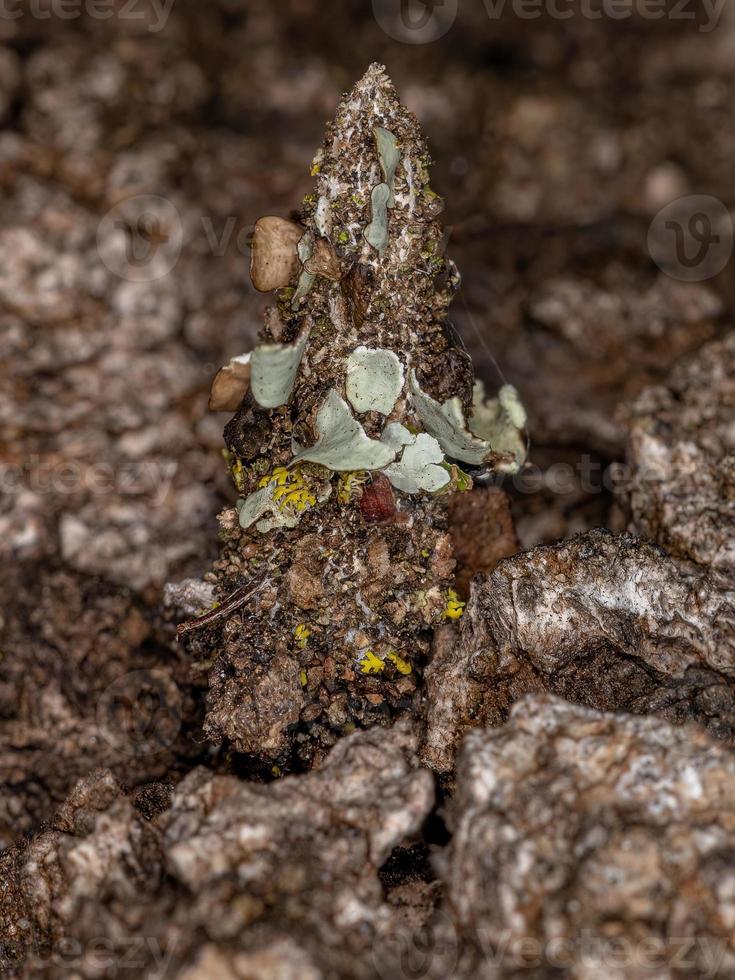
302 634
370 664
237 470
401 665
290 489
349 485
454 607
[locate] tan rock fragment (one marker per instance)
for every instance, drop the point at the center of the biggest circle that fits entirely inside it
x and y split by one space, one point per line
274 259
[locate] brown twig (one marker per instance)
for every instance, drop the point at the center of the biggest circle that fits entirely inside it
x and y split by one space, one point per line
234 601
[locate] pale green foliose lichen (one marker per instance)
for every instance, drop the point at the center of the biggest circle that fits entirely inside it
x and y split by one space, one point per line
257 504
374 380
260 503
419 466
306 279
497 424
342 443
447 424
511 404
273 370
376 233
389 156
286 494
396 436
501 421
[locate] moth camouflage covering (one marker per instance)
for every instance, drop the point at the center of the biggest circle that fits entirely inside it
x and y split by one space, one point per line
357 417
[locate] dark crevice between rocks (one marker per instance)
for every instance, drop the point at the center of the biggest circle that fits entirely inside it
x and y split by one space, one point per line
407 864
409 876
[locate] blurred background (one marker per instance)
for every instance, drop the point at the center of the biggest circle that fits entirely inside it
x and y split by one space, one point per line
143 138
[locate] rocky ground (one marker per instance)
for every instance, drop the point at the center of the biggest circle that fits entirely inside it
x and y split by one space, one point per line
561 802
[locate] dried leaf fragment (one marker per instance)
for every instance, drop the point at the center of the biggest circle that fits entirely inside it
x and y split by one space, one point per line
324 262
230 385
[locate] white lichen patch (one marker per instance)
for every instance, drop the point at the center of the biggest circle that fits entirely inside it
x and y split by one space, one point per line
323 217
342 443
374 380
419 466
273 369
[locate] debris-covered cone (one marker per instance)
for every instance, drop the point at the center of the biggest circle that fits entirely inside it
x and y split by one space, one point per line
358 418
